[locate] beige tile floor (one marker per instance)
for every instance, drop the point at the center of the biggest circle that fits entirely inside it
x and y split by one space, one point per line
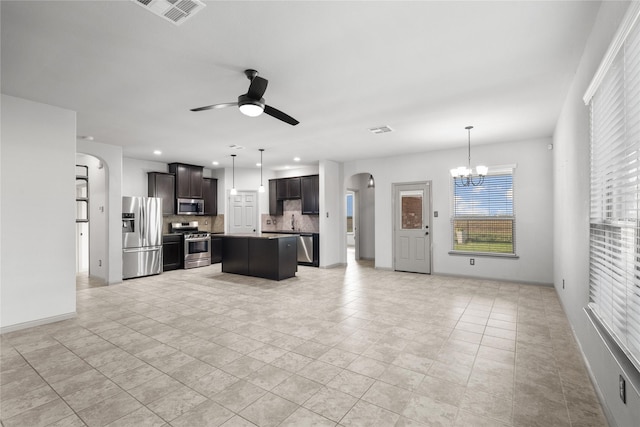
350 346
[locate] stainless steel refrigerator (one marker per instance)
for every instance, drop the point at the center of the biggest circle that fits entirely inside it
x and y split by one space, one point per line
141 236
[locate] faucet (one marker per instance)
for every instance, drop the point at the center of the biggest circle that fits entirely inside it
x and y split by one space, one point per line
292 223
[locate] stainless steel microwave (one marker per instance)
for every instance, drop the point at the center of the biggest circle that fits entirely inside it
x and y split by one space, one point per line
190 207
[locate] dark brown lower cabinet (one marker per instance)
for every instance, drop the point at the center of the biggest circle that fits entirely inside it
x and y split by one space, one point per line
172 252
216 249
269 257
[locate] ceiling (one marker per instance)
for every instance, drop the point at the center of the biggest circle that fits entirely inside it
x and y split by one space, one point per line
426 69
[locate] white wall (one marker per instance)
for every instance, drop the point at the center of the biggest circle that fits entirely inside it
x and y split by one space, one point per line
111 156
533 206
134 176
571 165
301 171
332 221
38 156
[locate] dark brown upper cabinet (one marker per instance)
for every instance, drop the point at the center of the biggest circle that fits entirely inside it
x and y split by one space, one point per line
310 194
210 196
163 185
275 205
188 180
288 188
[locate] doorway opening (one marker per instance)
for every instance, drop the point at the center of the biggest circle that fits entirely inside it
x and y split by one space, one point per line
352 223
360 219
91 222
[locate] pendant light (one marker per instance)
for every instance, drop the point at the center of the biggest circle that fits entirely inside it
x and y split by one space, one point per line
233 191
371 183
261 188
463 176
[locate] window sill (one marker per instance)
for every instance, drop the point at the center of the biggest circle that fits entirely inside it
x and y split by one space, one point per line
484 254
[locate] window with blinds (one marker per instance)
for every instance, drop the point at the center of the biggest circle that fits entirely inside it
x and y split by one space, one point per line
614 263
483 220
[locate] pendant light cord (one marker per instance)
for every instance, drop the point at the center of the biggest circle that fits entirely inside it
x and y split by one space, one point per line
468 128
233 171
261 150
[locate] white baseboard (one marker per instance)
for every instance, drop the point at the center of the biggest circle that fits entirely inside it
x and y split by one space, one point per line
39 322
336 265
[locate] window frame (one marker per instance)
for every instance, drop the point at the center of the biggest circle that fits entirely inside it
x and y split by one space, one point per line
493 171
613 99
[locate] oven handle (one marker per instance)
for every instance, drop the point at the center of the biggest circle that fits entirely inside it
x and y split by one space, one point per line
198 239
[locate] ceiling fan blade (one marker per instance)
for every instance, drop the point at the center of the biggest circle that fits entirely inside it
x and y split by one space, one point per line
257 87
273 112
216 106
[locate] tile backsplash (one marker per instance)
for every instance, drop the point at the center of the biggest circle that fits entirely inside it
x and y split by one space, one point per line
306 223
214 224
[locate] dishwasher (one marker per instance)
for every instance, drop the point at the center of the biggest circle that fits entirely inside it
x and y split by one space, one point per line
305 249
308 252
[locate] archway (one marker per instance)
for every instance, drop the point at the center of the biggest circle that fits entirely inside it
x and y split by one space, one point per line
360 217
91 221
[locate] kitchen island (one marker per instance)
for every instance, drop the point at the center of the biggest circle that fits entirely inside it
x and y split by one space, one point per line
270 256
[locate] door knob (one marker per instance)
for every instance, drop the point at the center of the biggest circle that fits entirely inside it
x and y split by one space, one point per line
426 234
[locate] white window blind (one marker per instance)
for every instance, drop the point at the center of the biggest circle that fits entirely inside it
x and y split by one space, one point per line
483 220
614 264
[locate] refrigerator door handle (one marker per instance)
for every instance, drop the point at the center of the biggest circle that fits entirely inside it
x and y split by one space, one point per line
145 249
142 221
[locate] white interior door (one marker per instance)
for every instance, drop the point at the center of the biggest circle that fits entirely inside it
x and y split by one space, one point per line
243 212
412 234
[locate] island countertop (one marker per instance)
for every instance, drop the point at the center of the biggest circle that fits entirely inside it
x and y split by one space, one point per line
257 235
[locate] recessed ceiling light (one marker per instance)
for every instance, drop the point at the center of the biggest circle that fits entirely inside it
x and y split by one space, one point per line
287 167
86 137
296 159
215 163
258 164
157 152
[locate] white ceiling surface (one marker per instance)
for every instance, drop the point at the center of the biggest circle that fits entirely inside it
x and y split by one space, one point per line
426 69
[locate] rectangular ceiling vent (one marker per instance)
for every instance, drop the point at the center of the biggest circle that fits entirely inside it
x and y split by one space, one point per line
381 129
176 11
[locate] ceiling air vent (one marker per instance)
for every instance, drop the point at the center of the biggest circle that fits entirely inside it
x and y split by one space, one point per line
381 129
176 11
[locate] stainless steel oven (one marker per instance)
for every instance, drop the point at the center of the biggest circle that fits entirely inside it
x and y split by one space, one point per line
197 250
197 244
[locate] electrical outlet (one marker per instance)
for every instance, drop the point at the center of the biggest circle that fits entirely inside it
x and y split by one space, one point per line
562 283
623 389
472 261
99 263
435 214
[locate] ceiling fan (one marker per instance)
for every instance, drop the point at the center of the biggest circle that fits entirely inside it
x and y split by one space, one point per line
252 103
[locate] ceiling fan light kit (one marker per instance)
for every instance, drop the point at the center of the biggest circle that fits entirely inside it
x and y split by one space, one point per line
250 107
252 103
463 175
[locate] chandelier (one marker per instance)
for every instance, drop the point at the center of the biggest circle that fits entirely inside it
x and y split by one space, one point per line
463 176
